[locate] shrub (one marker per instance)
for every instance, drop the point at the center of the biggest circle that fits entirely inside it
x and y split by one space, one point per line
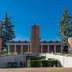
68 54
28 63
10 53
27 53
58 53
49 63
42 63
33 63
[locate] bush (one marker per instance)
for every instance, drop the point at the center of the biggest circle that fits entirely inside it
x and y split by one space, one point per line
33 63
10 53
28 63
27 53
42 63
49 63
58 53
68 54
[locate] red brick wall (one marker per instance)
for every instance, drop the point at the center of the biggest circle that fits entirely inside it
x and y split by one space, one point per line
34 39
51 48
11 48
25 48
70 42
18 48
58 48
44 48
39 49
70 45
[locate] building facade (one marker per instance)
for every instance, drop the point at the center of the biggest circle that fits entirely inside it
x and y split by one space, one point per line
45 46
35 45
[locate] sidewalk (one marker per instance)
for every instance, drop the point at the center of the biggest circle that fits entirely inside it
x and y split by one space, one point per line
36 70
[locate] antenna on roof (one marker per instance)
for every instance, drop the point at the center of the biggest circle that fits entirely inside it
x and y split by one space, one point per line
34 24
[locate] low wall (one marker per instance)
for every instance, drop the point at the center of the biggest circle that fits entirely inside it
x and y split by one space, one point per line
65 61
14 58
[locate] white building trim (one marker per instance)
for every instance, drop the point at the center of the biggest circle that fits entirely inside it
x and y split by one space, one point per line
28 48
21 48
54 48
29 43
8 48
41 48
48 48
15 48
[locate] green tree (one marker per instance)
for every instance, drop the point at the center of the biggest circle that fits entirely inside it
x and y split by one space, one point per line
0 29
65 28
7 32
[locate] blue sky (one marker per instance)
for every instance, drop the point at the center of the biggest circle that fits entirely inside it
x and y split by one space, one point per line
44 13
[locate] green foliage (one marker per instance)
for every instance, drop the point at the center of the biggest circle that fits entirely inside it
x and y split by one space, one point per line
33 63
58 53
27 53
6 30
65 27
28 63
41 63
10 53
68 54
49 63
44 63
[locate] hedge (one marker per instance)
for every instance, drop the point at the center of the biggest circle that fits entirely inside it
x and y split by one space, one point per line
42 63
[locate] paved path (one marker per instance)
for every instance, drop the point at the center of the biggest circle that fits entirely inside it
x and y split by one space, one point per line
36 70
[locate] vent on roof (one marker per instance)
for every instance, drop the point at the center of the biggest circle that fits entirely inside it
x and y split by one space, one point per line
50 41
13 41
56 41
19 41
25 41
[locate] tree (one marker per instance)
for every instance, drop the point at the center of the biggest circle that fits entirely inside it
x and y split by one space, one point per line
7 32
0 29
65 28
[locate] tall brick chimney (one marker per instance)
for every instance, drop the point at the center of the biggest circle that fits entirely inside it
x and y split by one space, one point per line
0 44
34 38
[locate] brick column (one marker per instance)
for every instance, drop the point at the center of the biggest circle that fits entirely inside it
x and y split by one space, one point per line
35 39
0 44
70 45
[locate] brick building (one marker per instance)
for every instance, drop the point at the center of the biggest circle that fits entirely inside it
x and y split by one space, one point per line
34 45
